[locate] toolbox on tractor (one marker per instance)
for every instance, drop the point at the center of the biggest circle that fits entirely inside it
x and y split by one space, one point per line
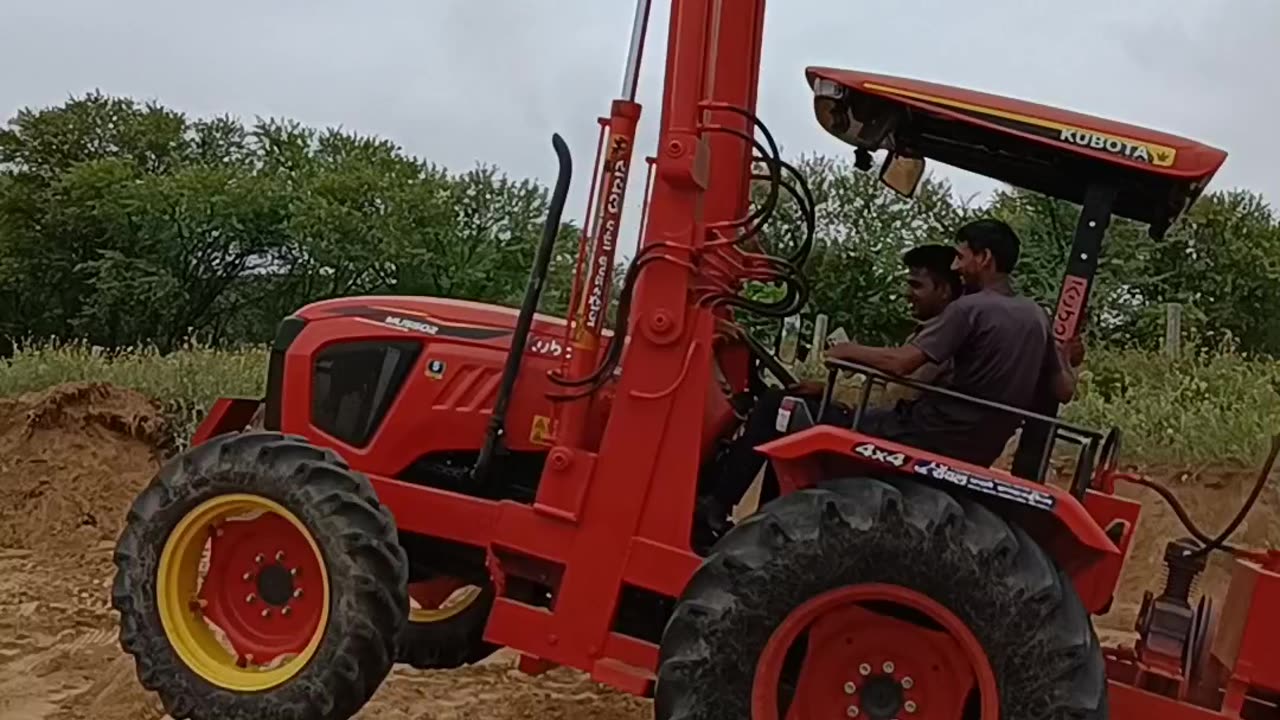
434 479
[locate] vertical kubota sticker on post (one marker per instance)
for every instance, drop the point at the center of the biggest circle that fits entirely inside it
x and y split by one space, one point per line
1066 319
613 192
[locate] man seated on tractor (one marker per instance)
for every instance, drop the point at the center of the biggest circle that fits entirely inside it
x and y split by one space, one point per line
1003 351
1000 347
932 284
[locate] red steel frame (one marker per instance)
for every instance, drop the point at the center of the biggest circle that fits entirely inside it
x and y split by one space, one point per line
620 513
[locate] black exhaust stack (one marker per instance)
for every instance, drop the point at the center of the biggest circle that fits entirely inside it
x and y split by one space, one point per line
533 292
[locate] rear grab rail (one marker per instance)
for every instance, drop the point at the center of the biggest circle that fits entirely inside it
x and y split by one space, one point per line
1087 439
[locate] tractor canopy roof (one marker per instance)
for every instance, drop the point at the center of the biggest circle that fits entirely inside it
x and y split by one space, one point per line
1047 150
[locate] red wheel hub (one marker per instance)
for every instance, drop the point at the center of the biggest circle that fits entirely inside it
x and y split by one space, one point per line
263 589
876 652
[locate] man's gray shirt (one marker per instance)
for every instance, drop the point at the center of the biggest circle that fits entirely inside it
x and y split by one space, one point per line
1000 345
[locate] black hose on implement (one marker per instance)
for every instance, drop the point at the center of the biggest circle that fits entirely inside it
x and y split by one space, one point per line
1218 542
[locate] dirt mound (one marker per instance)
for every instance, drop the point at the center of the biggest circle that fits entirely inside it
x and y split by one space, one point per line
71 460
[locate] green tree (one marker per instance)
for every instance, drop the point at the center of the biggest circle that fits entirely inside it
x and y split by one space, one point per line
123 223
1221 261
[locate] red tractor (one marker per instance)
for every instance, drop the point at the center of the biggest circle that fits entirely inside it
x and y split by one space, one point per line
435 479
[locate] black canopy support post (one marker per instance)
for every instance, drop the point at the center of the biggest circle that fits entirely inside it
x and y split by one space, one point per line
1031 460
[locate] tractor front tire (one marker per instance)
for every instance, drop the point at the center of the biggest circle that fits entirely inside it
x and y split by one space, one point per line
305 591
1012 609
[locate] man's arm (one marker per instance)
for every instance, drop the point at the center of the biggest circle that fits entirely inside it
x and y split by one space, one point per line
1062 359
937 342
901 361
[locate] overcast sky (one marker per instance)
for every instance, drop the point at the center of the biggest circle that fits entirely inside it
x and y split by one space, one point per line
467 81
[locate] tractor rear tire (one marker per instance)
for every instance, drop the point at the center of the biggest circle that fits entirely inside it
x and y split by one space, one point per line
1020 611
451 641
248 491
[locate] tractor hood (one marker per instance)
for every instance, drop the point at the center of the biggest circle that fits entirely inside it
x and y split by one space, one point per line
458 320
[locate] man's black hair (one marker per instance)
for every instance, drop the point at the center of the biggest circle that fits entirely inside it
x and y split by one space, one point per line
994 235
936 260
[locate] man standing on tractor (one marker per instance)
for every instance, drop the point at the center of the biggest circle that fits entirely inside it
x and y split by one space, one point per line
932 285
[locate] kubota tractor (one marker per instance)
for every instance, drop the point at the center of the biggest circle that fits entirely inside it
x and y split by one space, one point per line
435 479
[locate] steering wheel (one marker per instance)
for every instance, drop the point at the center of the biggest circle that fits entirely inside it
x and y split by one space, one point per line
768 361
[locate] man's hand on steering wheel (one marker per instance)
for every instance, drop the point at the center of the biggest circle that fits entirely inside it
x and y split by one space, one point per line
807 388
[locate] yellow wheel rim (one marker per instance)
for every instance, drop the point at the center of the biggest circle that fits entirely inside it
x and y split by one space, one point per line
453 606
263 566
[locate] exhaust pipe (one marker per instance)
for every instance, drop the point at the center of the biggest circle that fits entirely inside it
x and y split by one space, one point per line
532 294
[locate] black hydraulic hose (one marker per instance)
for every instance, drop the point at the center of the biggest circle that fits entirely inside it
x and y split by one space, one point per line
1234 525
524 321
797 295
760 216
808 209
1174 504
811 218
797 289
1209 544
613 354
770 156
800 254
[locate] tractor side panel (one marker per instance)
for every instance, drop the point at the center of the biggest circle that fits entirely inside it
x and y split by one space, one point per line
386 393
1059 522
1118 518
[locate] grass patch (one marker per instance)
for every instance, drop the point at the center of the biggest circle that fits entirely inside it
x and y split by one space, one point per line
185 382
1203 410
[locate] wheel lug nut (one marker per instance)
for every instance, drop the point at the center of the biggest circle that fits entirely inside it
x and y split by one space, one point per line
864 669
852 711
908 683
909 706
279 555
249 598
297 593
850 688
247 576
286 610
888 667
266 613
293 572
258 558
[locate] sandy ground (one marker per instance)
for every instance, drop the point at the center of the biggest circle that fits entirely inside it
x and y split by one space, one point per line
71 461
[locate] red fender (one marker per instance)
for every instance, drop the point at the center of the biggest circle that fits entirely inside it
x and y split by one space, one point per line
1087 539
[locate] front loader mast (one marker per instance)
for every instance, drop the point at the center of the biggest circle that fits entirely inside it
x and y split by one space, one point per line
699 247
699 244
700 183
